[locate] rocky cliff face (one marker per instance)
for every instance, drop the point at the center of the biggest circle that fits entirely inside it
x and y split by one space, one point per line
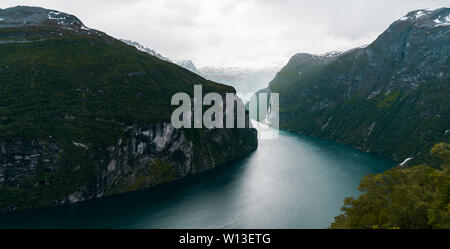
390 97
145 156
83 115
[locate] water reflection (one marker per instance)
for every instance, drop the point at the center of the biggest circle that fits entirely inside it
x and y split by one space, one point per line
293 181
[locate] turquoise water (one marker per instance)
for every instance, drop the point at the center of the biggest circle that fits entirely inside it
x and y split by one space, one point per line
293 181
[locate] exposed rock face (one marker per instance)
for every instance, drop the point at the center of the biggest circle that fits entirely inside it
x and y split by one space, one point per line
390 97
34 16
147 156
300 63
83 115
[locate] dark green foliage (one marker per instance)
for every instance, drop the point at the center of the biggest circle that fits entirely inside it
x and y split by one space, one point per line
47 185
155 173
84 88
415 197
93 80
390 98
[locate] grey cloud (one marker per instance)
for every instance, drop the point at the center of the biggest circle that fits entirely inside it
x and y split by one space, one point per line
238 32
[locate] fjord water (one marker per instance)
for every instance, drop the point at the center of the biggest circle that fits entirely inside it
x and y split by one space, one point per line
292 181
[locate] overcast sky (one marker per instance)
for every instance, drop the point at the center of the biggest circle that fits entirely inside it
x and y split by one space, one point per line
249 33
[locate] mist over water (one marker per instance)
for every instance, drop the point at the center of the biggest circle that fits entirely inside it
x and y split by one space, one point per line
292 181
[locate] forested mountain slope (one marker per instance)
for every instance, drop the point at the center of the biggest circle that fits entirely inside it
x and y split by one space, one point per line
83 115
391 97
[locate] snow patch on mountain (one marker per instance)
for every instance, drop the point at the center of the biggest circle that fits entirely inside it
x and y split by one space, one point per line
419 14
415 14
145 49
21 16
245 80
189 65
442 21
428 17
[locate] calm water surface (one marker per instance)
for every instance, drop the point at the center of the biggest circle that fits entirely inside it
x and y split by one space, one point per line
293 181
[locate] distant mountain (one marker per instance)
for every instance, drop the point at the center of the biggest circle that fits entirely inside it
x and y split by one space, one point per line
84 115
245 80
144 49
189 65
23 16
391 97
300 63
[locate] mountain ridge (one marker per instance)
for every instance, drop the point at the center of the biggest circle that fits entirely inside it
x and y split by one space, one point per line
246 80
84 115
361 97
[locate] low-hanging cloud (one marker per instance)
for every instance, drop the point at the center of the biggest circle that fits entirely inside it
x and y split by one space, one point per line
250 33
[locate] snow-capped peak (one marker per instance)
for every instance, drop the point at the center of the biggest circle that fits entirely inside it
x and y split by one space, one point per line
330 54
428 17
144 49
415 14
442 20
20 16
189 65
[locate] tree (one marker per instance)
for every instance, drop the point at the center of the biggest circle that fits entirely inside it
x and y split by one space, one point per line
415 197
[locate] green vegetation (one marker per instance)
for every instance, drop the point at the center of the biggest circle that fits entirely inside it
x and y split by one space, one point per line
84 88
47 185
387 101
92 79
155 173
406 198
376 98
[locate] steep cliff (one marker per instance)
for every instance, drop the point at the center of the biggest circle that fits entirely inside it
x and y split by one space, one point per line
83 115
390 97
